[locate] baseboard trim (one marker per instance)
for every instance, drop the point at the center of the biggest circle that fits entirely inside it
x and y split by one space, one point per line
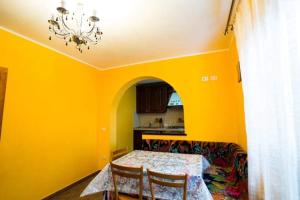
70 186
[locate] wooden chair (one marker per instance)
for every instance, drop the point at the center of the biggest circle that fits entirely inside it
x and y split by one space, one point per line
118 153
176 181
131 173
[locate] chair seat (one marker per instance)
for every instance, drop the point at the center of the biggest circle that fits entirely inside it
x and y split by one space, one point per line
128 197
123 196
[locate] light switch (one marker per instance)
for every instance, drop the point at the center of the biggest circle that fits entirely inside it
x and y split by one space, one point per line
214 77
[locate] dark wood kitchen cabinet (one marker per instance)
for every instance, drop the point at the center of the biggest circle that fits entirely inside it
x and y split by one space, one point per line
152 98
142 99
137 140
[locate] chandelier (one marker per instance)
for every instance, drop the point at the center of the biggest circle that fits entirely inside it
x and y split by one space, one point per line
75 27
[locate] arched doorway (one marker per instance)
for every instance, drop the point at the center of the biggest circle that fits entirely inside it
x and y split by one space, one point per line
130 115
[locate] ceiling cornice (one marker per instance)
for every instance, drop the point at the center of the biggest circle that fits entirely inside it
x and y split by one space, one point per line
112 67
166 58
47 47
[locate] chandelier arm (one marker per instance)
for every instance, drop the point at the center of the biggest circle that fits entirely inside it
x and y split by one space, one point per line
60 36
65 26
58 32
88 33
62 27
91 41
64 35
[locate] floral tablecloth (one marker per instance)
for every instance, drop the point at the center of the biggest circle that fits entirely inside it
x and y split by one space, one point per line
170 163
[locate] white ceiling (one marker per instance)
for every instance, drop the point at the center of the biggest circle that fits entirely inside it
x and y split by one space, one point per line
135 31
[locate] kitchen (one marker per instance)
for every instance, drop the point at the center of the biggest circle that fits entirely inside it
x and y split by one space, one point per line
159 111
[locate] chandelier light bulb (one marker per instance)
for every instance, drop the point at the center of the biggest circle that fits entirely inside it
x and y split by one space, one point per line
62 3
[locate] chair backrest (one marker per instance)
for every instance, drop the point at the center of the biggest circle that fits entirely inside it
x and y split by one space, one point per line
176 181
127 172
118 153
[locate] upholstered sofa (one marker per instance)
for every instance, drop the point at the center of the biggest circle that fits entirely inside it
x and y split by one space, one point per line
228 175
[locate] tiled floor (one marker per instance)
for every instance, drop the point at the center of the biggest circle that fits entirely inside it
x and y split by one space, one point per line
74 193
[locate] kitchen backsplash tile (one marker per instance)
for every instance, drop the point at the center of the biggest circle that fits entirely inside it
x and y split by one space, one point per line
173 117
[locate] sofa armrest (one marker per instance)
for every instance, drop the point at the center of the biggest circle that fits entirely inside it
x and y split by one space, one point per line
239 162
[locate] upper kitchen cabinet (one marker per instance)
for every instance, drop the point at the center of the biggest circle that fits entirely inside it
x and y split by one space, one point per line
152 97
142 99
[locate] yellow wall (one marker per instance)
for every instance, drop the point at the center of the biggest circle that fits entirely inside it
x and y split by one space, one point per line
60 116
49 135
125 116
211 112
239 98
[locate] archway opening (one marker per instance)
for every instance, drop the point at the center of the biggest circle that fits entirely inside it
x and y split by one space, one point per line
147 107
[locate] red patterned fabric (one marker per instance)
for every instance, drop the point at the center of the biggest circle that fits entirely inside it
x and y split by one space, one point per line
228 156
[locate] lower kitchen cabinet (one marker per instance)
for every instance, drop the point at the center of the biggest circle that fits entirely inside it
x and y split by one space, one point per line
137 139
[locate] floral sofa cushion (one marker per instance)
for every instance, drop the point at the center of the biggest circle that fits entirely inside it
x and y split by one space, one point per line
228 174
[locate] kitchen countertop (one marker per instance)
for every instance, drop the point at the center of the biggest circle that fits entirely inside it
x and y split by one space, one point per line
158 129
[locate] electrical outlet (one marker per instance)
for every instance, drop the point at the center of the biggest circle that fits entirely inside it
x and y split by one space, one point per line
204 78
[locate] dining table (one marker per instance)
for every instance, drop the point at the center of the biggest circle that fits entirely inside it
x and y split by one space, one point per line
169 163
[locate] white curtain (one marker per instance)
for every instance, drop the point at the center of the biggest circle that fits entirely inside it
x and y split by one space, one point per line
268 40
